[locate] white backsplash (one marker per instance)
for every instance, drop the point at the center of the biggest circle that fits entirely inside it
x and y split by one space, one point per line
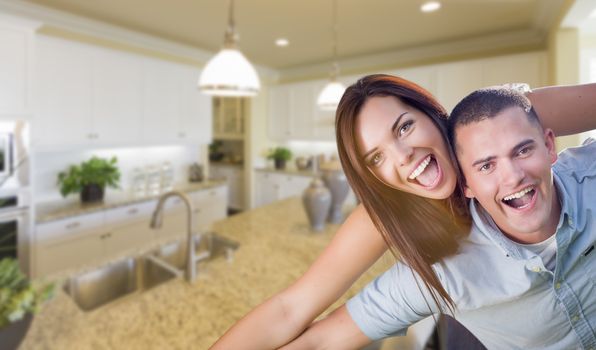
48 165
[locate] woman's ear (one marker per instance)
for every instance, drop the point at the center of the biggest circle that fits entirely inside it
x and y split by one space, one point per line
468 192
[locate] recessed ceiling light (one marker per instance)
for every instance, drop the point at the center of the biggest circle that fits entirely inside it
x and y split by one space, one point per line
282 42
430 6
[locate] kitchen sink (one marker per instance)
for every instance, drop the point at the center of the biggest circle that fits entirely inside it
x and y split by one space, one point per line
133 275
115 280
208 246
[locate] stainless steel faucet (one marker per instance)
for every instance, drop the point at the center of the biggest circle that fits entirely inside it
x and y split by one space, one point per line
156 222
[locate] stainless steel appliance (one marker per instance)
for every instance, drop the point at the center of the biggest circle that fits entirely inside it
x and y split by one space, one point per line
15 192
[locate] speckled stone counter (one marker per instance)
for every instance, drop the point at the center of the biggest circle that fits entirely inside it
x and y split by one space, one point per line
55 210
276 247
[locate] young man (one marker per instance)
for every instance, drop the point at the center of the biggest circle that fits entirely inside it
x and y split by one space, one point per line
525 278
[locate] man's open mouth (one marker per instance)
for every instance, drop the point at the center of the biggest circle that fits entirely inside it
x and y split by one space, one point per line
427 173
521 199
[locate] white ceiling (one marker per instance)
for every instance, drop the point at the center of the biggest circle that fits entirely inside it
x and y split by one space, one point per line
364 27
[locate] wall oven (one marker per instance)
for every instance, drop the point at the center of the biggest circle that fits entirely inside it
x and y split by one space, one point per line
15 192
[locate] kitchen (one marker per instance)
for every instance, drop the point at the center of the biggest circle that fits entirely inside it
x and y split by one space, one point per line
120 80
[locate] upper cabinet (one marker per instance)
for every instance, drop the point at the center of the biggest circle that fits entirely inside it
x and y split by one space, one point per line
229 118
293 114
16 57
93 96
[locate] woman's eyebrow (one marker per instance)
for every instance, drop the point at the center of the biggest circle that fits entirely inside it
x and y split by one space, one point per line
397 121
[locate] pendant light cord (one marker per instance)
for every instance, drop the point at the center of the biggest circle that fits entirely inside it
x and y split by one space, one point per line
335 71
230 36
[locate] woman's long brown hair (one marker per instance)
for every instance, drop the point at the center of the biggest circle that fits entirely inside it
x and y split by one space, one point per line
419 231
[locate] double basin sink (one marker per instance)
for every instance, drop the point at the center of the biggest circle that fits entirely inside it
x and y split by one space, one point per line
133 275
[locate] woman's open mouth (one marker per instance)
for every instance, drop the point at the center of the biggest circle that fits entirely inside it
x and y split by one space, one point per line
428 173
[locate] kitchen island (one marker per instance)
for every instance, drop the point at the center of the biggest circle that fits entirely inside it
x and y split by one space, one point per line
276 247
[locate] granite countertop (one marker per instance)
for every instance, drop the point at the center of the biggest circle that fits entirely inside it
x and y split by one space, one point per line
276 247
60 209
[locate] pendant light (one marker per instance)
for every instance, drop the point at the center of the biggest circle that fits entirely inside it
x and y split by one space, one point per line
334 90
229 73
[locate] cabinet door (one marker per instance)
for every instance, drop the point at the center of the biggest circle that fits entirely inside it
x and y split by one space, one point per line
279 109
196 116
302 106
294 186
14 70
323 124
63 94
161 107
69 253
116 110
210 205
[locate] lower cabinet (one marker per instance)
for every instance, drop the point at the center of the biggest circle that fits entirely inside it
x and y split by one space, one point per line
85 239
272 187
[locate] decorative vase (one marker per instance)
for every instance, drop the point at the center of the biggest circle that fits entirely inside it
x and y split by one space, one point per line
337 183
92 193
317 202
279 163
12 335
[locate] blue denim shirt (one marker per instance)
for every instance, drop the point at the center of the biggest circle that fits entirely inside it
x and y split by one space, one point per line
504 294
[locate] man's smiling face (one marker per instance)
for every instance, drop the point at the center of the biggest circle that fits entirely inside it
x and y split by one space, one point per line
506 161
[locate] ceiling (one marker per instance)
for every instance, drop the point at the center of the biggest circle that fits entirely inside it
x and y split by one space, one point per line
364 27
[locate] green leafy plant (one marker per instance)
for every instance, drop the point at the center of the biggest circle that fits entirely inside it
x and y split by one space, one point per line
280 153
17 296
96 171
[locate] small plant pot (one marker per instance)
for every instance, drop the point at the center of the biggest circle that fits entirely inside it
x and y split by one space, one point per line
280 164
12 335
92 193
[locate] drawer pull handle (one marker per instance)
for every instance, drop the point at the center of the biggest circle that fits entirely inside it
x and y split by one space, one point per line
73 225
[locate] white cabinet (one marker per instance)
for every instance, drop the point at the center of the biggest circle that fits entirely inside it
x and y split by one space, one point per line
89 238
16 66
229 117
90 96
234 176
116 97
291 109
272 187
69 242
63 94
210 205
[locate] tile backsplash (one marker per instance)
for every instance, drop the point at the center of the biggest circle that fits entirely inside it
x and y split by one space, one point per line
48 165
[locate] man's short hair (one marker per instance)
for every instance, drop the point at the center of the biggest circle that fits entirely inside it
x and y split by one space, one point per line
488 103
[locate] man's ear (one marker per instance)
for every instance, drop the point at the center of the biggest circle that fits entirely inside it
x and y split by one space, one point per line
468 192
549 140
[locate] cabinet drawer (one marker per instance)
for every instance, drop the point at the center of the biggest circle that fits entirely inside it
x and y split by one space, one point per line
131 213
66 228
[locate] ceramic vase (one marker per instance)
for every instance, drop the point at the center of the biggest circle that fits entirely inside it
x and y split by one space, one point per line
337 183
317 202
13 334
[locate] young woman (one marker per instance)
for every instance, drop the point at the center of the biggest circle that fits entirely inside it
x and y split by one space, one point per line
403 171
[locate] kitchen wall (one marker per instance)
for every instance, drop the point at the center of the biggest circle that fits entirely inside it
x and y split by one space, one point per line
47 165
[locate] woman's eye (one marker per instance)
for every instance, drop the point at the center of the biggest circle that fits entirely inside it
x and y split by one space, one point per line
375 160
405 127
485 167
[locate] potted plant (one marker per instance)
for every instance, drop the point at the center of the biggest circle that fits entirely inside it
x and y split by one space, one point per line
90 178
280 156
19 300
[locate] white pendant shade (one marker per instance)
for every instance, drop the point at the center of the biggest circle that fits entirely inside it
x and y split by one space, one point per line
330 96
229 74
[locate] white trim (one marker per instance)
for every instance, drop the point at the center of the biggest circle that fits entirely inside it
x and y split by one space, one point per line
478 45
79 24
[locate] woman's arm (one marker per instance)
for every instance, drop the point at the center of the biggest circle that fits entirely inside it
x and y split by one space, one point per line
355 247
566 109
336 331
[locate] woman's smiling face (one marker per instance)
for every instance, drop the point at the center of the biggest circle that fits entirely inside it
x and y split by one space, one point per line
403 148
